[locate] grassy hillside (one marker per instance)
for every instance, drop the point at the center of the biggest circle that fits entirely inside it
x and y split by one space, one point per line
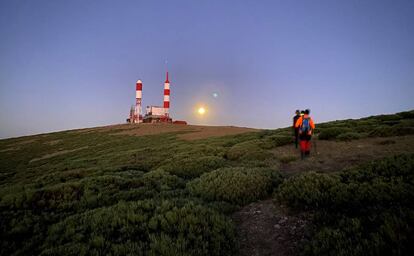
110 192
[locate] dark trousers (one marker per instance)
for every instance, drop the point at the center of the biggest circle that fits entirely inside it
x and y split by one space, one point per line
296 137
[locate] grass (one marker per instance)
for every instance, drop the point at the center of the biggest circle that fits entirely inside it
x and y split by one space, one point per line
93 192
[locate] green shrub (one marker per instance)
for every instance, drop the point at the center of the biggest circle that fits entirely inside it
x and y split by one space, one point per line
332 133
384 118
160 180
276 141
248 150
367 210
382 131
406 123
407 114
309 190
348 136
363 128
143 228
236 185
63 196
401 131
194 167
387 131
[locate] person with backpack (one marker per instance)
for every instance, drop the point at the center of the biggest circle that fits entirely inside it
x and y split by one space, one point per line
296 130
306 126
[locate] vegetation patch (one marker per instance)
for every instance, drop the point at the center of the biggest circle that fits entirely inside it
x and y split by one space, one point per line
237 185
276 141
143 228
248 150
368 209
93 192
332 133
192 167
348 136
287 159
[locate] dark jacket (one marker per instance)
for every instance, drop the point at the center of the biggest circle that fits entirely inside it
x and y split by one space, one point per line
295 119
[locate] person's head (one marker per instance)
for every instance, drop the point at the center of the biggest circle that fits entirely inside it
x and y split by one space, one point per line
297 112
307 111
302 112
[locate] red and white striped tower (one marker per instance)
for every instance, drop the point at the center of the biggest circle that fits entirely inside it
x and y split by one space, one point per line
167 97
138 103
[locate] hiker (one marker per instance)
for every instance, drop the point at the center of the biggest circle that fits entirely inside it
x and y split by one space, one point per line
296 130
306 126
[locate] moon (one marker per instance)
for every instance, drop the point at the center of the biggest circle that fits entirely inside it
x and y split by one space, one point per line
201 111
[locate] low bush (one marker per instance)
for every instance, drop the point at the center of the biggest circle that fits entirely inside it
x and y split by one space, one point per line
382 131
407 114
401 131
309 190
161 180
332 133
388 131
363 128
348 136
368 210
237 185
62 196
194 167
248 150
143 228
384 118
276 141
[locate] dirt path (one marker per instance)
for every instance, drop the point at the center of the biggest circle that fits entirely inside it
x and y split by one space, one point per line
264 228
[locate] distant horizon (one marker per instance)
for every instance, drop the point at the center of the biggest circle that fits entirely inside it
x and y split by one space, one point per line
73 64
259 128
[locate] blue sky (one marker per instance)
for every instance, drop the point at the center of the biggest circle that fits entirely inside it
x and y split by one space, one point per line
73 64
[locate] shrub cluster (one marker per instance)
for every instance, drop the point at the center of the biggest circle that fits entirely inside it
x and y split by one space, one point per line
332 133
148 195
143 228
276 141
348 136
26 215
193 167
237 185
375 126
387 131
369 210
248 150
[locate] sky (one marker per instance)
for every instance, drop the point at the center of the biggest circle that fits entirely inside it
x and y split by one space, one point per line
74 64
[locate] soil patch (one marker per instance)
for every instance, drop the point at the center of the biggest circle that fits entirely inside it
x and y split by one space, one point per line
264 228
53 142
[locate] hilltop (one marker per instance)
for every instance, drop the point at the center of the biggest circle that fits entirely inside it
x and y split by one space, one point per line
186 132
199 190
